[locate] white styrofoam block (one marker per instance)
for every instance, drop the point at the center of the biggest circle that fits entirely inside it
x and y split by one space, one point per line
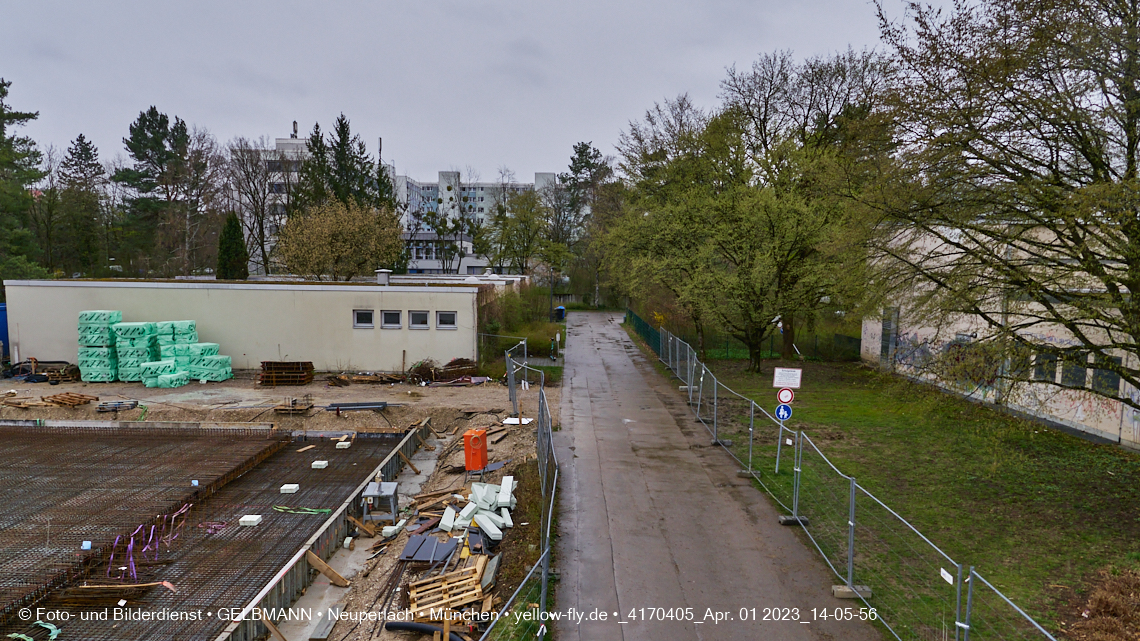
290 488
515 421
506 515
344 445
393 530
461 523
468 511
508 486
320 465
488 527
447 522
250 519
494 517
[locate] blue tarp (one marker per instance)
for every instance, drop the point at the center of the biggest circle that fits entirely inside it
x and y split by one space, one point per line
4 329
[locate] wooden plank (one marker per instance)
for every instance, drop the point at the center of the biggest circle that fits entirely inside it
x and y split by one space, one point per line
408 461
324 628
367 529
269 625
443 577
324 569
306 448
500 437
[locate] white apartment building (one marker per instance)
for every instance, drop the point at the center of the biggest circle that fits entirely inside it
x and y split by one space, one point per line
453 197
449 195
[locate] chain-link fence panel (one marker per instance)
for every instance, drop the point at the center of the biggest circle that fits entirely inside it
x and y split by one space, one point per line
824 501
912 582
991 616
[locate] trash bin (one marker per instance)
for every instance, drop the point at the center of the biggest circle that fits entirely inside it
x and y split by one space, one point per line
560 313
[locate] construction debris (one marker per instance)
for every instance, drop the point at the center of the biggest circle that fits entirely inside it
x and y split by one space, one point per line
116 406
274 373
293 406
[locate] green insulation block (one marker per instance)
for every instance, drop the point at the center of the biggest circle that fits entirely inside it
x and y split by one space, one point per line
100 317
98 375
157 368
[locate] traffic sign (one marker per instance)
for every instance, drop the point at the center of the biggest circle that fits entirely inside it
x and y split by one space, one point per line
787 377
783 411
785 395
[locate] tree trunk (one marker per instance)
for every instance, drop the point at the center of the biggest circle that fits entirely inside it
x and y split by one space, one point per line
755 352
788 349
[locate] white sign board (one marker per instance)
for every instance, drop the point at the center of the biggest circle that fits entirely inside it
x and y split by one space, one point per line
787 377
947 577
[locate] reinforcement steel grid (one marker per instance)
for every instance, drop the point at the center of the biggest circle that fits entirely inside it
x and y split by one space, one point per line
222 565
60 487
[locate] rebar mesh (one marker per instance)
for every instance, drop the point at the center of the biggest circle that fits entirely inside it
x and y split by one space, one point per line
227 568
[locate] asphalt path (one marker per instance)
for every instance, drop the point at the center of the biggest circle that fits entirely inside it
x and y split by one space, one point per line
656 532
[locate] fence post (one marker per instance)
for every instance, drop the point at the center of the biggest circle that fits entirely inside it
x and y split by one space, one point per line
969 605
958 605
701 391
779 445
511 385
716 437
751 426
851 539
796 468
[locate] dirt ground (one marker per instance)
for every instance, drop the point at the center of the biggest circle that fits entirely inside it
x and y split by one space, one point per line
241 400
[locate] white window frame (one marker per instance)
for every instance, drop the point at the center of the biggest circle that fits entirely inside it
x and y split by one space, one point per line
399 316
439 325
356 324
427 320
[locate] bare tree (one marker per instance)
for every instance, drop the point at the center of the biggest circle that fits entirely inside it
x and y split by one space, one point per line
259 180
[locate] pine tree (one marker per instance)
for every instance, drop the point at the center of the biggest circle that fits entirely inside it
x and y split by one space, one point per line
83 178
233 259
19 169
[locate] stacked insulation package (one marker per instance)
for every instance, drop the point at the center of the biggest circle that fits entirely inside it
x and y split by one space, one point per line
207 365
137 343
98 360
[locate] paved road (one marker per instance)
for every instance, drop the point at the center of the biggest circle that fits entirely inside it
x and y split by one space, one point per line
652 517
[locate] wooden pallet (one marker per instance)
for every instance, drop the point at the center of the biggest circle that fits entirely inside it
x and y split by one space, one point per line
69 399
450 590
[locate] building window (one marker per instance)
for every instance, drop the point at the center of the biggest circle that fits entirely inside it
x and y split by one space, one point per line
1045 368
273 165
362 318
390 319
1105 381
418 320
278 188
1074 370
445 320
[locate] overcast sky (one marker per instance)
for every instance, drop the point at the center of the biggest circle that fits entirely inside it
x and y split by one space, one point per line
447 84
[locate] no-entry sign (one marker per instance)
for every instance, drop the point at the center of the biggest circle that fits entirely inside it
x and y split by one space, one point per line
787 377
785 395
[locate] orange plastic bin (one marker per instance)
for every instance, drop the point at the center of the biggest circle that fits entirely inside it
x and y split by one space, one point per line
475 449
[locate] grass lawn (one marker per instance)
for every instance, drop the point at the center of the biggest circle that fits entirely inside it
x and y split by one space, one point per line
1036 510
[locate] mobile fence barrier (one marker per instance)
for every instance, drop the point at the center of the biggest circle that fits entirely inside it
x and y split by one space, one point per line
905 581
534 589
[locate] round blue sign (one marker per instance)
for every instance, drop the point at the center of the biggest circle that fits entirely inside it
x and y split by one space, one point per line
783 411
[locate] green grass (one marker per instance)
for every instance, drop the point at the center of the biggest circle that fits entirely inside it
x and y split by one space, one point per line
1037 511
1030 507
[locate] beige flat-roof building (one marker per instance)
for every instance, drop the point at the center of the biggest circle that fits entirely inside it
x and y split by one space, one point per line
337 326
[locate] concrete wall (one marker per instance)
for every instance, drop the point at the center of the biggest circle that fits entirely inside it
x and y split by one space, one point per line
1091 413
254 322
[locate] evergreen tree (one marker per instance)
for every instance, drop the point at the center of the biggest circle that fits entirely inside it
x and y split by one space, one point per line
233 259
159 150
19 170
83 178
339 167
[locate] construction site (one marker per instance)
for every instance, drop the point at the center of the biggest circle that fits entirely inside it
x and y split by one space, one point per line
198 501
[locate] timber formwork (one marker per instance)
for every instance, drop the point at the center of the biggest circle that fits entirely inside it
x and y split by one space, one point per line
215 569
